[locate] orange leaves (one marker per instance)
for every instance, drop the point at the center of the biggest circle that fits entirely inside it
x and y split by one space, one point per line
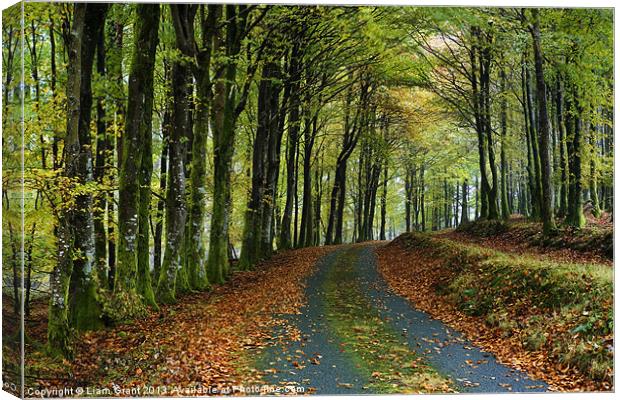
202 340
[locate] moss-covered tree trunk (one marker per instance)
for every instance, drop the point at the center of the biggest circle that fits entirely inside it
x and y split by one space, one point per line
593 182
534 143
176 208
114 65
149 32
250 250
502 156
256 232
194 273
563 203
102 164
163 173
285 241
198 251
547 211
574 216
408 198
224 111
477 103
464 203
306 231
276 131
84 305
318 201
485 63
58 331
383 202
133 266
422 198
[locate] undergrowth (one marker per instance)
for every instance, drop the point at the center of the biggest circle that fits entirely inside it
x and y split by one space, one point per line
592 238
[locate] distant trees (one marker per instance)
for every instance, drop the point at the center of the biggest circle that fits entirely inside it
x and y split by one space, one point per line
468 59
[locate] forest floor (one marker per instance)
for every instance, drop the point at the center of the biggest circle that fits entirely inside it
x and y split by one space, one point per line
350 319
197 346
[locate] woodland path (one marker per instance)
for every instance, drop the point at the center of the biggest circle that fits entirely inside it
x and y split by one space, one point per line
347 294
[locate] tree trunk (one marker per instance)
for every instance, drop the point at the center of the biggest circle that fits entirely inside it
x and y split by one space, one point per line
536 189
464 204
593 184
285 239
224 119
114 64
102 164
306 232
133 271
477 203
58 331
195 272
318 200
276 131
163 173
575 215
503 161
384 203
351 136
543 130
253 228
485 84
562 143
456 204
422 202
478 103
176 207
408 196
83 299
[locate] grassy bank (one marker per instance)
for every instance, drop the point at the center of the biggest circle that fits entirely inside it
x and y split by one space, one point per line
594 239
563 309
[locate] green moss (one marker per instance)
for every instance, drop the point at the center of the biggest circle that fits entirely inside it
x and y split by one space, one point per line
484 227
86 310
123 306
535 340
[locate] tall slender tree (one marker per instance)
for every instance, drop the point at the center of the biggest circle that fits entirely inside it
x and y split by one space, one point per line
133 266
543 129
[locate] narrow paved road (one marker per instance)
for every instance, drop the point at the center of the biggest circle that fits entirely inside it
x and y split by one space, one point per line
329 361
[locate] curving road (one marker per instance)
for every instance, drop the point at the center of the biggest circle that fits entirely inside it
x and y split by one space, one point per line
317 361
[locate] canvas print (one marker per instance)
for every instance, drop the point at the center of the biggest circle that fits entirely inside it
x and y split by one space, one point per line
259 199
